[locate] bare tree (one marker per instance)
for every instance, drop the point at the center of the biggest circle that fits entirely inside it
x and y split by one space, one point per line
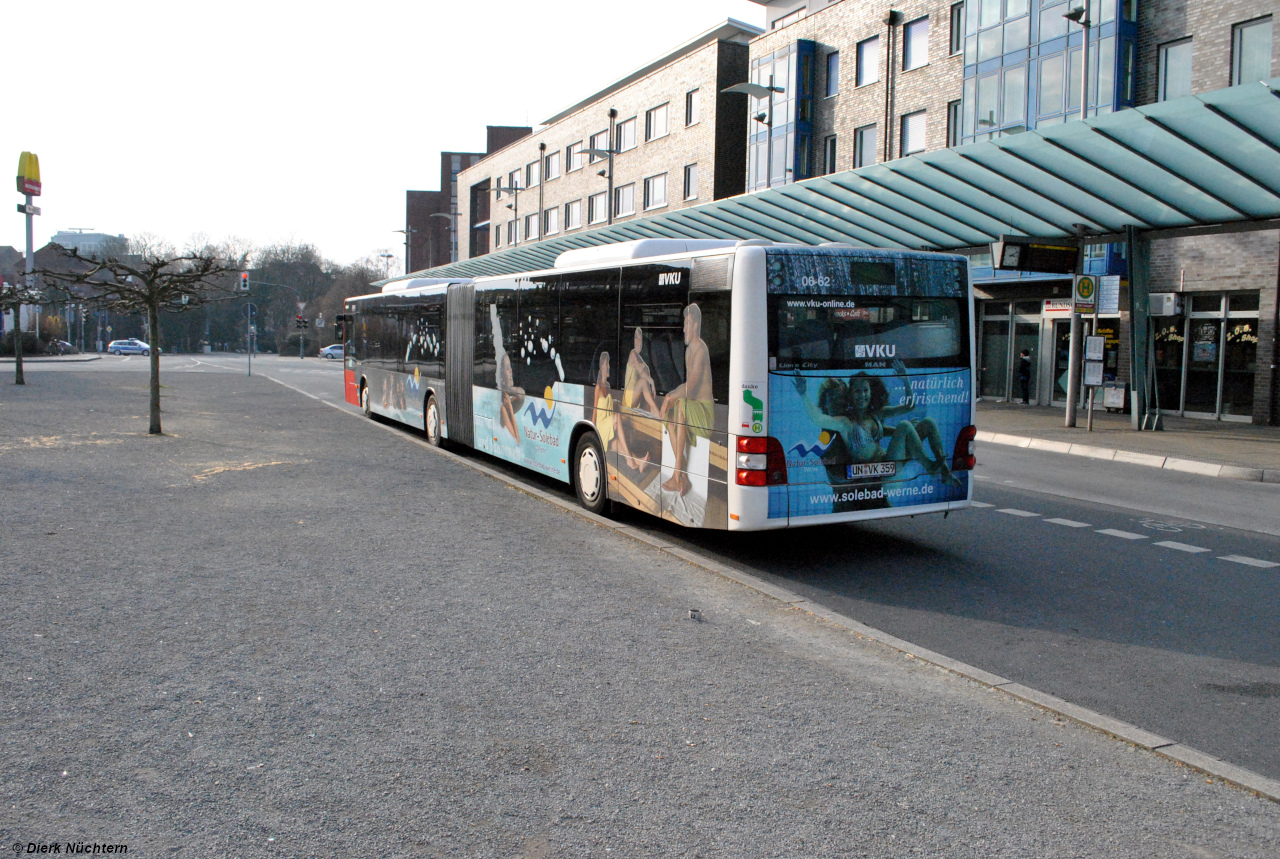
149 277
12 297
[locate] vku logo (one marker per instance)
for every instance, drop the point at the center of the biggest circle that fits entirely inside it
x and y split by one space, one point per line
874 351
669 278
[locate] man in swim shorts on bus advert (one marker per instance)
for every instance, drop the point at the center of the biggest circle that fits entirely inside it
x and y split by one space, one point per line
691 406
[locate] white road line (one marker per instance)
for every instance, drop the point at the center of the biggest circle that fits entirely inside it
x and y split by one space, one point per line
1014 512
1248 562
1181 547
1068 523
981 504
1123 535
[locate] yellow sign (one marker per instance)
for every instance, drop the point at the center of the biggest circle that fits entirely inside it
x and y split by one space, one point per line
29 174
1086 292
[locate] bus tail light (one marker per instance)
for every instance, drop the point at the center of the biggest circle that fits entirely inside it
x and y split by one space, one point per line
963 459
760 461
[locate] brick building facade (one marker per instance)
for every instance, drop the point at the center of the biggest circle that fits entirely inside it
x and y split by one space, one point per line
433 241
679 141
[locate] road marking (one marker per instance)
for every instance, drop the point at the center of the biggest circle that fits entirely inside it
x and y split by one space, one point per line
1123 535
1014 512
1248 562
1068 523
1181 547
981 504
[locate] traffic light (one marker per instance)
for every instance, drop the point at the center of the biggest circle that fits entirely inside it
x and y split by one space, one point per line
301 323
244 281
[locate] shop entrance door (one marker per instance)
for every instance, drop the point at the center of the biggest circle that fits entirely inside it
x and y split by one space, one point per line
1026 335
1061 359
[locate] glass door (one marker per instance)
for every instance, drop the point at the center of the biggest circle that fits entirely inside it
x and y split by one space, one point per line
1205 337
1026 335
1169 346
1061 359
995 358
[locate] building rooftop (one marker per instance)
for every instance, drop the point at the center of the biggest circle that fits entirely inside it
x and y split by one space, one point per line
730 31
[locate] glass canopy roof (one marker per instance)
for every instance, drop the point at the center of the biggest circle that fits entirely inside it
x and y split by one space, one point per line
1199 161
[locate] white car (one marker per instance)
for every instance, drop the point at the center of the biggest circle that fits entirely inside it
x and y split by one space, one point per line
335 351
132 346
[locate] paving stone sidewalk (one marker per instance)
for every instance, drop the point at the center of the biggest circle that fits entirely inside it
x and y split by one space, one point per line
1233 444
279 630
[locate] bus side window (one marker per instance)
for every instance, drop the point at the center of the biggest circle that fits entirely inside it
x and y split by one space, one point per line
653 300
589 327
535 341
714 307
498 303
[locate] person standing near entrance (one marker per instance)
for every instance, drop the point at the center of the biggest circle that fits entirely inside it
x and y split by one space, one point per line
1024 376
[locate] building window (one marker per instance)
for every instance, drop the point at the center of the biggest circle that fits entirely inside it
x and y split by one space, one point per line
596 208
624 200
913 132
626 135
531 226
833 73
599 140
868 70
532 174
788 19
551 222
575 156
864 146
691 182
957 27
552 166
573 215
655 123
655 191
1251 52
497 237
953 123
691 107
515 179
513 230
915 44
1175 70
829 154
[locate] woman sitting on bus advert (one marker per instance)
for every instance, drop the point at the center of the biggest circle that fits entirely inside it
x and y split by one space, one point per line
608 422
638 387
862 422
512 397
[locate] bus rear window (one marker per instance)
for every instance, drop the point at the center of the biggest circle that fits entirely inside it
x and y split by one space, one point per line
841 332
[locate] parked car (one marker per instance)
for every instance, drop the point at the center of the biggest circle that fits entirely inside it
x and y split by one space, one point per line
334 351
60 347
132 346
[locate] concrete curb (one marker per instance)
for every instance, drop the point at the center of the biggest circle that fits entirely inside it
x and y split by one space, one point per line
1190 466
52 360
1183 755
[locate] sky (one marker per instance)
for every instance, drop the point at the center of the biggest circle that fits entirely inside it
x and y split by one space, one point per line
270 122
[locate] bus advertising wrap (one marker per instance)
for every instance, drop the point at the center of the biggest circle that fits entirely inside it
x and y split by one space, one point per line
869 382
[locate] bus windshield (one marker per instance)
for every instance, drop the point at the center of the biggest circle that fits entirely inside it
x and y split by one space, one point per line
843 311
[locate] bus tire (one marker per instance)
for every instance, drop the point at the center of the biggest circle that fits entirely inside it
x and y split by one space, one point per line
591 474
431 421
364 401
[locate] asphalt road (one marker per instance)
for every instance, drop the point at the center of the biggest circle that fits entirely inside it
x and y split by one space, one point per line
279 630
1114 595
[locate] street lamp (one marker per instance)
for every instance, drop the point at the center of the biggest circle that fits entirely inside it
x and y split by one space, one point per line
514 191
608 153
765 92
408 231
431 235
1080 15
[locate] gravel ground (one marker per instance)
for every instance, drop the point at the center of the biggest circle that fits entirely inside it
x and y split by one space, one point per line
281 631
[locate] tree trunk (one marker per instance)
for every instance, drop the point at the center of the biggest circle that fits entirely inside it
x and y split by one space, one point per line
153 324
18 378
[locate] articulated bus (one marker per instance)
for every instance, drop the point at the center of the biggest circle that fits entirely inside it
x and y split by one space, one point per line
718 384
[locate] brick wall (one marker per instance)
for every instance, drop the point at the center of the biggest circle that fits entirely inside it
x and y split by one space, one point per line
707 69
839 27
1209 24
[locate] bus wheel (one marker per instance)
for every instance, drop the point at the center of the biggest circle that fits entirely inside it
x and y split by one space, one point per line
432 421
590 474
364 401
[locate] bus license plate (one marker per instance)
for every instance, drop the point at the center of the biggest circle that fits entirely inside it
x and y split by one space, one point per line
872 469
